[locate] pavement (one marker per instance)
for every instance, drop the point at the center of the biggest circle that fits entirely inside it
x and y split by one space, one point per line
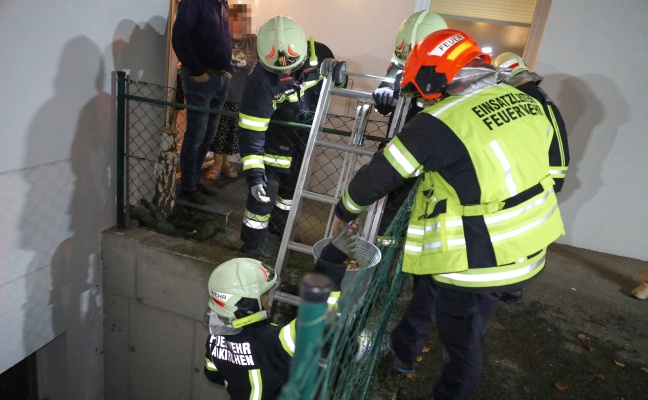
577 334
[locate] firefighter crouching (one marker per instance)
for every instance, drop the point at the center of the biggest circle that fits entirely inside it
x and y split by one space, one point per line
244 352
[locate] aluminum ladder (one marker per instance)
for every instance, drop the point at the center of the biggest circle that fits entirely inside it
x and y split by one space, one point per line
351 151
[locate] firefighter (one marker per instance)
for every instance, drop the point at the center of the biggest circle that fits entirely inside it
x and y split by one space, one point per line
244 351
410 32
283 85
485 208
528 82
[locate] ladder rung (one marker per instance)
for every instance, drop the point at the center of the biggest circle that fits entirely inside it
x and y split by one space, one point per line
302 248
287 298
320 197
346 147
353 94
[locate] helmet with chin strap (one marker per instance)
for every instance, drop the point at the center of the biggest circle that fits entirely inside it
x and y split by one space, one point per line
511 61
433 63
236 286
281 44
412 31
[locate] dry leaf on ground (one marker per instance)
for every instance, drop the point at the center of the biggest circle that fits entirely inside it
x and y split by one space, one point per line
586 341
620 364
561 386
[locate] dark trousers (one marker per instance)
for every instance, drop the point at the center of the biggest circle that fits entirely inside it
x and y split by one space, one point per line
461 319
279 184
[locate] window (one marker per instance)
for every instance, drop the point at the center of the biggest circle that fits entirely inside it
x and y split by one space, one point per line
501 25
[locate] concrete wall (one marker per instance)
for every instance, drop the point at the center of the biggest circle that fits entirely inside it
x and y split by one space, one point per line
155 295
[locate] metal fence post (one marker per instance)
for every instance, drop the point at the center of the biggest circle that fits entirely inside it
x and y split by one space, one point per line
311 320
121 146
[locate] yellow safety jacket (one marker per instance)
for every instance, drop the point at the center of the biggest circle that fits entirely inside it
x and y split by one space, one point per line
508 146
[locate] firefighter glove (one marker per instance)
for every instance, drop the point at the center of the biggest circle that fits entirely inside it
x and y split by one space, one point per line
346 242
259 193
383 96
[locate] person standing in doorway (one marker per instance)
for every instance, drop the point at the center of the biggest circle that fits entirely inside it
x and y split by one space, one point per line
202 43
244 56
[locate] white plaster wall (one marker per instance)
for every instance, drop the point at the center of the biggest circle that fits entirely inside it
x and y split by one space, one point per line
57 173
57 164
593 57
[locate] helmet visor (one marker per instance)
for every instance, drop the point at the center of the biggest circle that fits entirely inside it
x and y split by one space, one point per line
284 59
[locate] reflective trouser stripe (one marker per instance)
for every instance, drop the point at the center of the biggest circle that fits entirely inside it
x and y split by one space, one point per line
283 204
277 161
256 384
255 224
256 221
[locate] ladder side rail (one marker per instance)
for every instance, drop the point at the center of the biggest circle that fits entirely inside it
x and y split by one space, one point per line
357 139
347 162
316 130
398 116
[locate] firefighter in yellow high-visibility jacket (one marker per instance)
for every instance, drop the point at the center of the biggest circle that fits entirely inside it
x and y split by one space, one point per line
485 209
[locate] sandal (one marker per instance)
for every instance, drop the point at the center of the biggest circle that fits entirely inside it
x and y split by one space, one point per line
230 172
213 173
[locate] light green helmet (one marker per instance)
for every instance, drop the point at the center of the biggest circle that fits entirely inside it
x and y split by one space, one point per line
281 44
412 31
511 61
235 287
